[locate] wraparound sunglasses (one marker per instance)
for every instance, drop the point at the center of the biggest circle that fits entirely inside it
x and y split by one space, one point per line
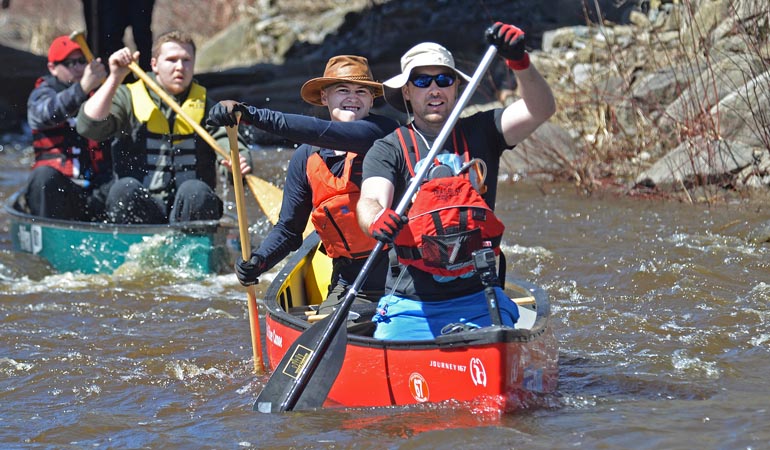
424 80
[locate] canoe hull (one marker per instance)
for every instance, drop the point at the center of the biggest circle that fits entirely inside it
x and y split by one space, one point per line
69 246
494 368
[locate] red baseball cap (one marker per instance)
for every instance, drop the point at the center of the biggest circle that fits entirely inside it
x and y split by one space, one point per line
60 49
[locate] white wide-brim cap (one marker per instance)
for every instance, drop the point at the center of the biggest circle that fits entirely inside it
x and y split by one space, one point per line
421 55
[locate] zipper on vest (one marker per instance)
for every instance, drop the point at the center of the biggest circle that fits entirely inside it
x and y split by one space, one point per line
336 227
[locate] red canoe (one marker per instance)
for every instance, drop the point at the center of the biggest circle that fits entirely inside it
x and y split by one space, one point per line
493 368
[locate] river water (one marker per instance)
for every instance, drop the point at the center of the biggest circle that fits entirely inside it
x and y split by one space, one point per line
660 309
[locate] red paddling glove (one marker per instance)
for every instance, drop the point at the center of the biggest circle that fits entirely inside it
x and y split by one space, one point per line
386 225
510 42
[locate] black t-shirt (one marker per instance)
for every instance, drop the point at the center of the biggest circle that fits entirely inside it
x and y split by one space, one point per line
297 203
483 134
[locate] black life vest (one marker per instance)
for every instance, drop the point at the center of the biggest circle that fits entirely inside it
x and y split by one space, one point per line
448 219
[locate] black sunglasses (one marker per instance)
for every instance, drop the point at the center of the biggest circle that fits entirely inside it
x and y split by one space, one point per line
70 63
424 80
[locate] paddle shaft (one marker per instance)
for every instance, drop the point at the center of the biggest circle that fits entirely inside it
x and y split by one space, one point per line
258 186
340 314
243 228
80 39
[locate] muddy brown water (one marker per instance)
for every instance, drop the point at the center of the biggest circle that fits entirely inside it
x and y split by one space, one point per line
661 311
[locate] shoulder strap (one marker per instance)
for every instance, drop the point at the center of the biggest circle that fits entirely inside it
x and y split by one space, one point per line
405 148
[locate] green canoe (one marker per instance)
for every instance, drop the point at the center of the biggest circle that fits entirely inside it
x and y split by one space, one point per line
86 247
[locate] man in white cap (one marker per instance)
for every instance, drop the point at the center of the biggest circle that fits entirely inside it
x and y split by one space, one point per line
324 176
437 285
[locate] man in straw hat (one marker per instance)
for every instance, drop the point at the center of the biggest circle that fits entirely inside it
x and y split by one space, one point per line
437 287
322 184
71 174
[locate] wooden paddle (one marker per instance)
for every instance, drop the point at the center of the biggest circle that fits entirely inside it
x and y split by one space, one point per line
268 195
243 228
317 354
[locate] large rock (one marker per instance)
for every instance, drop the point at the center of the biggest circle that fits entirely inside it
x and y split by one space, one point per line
698 162
744 114
549 149
711 84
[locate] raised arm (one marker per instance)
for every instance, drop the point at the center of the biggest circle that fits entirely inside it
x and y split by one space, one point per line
537 103
356 136
47 108
98 106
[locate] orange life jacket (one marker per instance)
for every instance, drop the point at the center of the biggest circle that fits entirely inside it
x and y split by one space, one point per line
448 220
334 209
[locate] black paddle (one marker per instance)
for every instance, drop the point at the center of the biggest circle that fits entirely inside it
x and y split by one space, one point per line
318 353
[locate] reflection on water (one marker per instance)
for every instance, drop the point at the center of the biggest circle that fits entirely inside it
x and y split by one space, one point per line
660 309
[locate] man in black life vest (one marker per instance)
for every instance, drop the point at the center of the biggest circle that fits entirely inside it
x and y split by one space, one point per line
324 176
449 218
165 172
71 174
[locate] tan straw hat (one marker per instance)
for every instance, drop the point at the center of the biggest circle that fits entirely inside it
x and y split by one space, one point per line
340 69
421 55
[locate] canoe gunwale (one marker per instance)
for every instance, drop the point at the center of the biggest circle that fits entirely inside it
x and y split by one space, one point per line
205 246
197 226
478 337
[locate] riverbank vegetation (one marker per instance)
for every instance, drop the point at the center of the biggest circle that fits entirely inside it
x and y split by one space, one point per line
674 103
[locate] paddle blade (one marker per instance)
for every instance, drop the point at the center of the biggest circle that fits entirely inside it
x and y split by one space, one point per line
277 395
268 196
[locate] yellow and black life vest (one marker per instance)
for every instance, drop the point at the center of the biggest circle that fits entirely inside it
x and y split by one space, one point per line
171 154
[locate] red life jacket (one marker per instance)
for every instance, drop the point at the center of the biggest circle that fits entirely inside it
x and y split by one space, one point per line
62 148
66 151
448 221
334 210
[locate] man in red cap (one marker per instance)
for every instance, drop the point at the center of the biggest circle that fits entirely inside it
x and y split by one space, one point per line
70 173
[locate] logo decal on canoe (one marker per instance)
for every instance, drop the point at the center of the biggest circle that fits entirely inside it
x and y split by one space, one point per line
297 362
478 372
448 366
419 387
273 337
30 239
